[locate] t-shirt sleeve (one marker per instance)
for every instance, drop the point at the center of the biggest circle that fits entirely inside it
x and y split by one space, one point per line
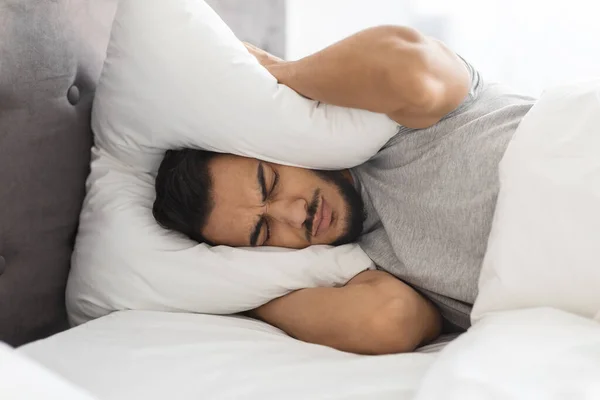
474 90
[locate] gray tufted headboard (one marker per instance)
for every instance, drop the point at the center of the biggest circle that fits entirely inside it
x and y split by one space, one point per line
51 54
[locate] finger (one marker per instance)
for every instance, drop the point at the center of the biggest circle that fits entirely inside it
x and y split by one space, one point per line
250 46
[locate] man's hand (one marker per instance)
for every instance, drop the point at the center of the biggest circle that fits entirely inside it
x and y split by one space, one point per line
264 58
276 66
375 313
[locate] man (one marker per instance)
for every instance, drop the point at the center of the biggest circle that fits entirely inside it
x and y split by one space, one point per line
421 208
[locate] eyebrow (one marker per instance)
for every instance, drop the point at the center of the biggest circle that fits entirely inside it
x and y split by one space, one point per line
260 177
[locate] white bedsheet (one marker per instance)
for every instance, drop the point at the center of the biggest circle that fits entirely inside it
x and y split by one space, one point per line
153 355
24 379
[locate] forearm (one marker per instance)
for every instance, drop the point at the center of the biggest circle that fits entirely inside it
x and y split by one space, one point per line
317 319
355 71
374 314
391 70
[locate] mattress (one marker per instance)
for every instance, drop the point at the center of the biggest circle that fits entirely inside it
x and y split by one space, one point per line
156 355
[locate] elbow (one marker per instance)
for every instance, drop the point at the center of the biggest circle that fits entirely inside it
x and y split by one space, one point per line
395 33
410 70
434 79
401 326
393 330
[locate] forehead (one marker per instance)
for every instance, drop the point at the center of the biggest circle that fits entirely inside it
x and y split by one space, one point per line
236 197
228 170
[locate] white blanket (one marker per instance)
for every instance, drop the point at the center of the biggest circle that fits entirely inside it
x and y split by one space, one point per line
544 247
535 354
543 251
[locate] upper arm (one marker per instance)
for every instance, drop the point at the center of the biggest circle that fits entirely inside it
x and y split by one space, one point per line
375 313
437 84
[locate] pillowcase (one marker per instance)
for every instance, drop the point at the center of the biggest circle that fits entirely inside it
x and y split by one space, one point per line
544 247
176 76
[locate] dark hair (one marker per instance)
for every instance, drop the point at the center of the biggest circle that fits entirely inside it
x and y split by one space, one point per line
183 192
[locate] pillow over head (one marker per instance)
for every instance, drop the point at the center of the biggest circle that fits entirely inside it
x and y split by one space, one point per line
176 76
544 247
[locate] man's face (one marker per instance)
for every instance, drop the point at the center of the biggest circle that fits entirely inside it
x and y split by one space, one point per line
257 203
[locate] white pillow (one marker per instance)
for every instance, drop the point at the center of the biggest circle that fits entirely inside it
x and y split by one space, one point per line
544 247
175 75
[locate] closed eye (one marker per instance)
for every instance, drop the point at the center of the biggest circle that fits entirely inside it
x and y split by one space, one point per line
270 194
265 194
259 230
268 236
256 232
275 182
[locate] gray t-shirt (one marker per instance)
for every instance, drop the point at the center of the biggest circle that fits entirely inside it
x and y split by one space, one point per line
430 196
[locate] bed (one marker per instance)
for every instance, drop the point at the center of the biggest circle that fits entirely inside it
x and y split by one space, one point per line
154 355
530 354
51 54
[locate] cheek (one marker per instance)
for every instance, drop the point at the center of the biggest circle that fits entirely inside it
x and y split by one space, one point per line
335 199
283 235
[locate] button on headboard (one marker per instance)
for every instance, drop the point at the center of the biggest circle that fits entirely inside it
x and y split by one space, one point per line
51 54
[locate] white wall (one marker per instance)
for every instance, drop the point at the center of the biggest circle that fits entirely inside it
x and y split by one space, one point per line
314 24
528 44
260 22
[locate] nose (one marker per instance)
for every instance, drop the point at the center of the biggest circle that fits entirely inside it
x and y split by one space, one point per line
291 212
